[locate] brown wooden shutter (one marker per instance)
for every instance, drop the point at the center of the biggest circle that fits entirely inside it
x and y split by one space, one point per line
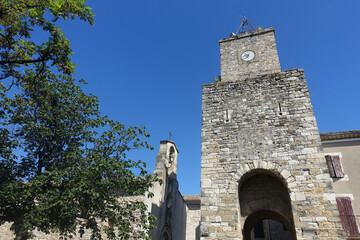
337 166
347 216
334 165
330 166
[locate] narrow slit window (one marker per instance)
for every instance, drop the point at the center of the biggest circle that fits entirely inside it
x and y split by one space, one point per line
280 110
227 116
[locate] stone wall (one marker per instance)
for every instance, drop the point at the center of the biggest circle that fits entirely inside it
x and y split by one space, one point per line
7 234
192 217
193 222
267 123
178 220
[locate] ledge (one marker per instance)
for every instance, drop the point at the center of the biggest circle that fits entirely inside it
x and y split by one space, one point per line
192 199
248 34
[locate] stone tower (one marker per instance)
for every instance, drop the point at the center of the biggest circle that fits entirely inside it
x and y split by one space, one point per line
261 151
167 205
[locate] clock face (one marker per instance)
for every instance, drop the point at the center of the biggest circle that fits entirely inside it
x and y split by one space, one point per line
247 55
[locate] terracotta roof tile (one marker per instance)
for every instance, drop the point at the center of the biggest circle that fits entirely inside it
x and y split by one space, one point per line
340 135
191 199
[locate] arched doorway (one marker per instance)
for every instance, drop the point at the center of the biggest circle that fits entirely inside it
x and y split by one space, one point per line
264 196
270 229
267 225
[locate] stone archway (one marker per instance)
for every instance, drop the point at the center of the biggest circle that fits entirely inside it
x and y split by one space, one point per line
263 195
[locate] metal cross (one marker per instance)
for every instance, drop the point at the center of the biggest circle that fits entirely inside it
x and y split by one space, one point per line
170 135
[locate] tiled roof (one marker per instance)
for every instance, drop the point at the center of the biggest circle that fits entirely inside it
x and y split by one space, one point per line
340 135
191 198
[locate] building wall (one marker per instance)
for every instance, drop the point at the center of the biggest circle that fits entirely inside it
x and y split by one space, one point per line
244 129
349 150
7 234
179 217
193 221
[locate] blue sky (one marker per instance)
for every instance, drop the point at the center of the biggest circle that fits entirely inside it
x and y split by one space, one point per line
147 59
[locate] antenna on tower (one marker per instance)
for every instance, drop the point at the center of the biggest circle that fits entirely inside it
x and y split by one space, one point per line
245 26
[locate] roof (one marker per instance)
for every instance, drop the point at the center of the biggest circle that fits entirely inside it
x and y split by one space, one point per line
192 199
340 135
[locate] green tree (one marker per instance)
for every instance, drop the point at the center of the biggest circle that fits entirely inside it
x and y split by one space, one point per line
19 19
63 165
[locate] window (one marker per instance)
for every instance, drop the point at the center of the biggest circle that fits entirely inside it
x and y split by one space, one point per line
334 165
347 216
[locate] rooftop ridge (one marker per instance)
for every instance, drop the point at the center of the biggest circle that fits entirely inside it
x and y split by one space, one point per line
340 135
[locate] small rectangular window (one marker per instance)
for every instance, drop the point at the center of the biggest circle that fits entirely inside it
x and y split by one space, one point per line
347 216
334 165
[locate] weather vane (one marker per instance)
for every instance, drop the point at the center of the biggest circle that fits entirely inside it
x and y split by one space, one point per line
170 135
244 26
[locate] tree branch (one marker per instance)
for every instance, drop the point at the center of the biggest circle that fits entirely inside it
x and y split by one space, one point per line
7 219
23 61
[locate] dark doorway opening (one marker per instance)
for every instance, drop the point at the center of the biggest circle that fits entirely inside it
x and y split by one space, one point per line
269 229
265 207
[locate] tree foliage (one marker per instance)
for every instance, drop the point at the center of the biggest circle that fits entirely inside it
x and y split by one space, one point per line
19 18
63 165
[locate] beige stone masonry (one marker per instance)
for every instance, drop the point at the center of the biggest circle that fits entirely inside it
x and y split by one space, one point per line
272 131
